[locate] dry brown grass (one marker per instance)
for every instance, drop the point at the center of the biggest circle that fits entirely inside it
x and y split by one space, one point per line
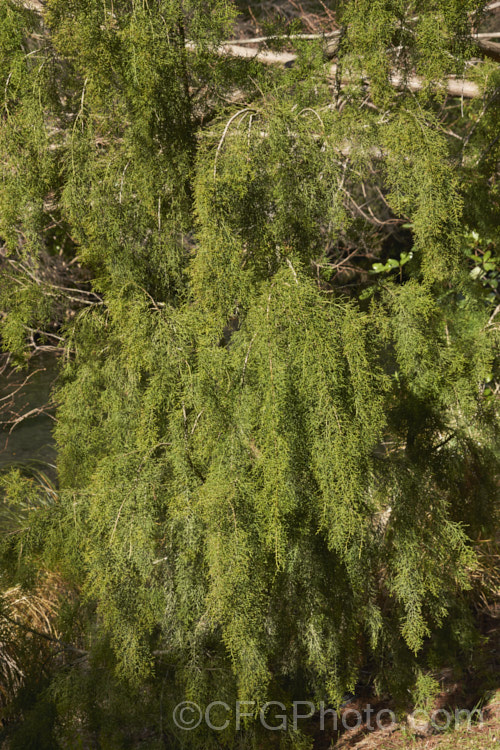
487 576
27 631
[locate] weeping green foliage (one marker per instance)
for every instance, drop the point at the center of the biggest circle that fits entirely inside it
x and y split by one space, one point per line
381 33
272 464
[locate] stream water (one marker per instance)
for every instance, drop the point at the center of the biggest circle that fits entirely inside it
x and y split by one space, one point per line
31 441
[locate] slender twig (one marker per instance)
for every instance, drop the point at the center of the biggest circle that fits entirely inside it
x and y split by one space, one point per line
45 636
231 119
493 316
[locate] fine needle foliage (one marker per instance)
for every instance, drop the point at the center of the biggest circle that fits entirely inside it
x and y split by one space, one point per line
273 290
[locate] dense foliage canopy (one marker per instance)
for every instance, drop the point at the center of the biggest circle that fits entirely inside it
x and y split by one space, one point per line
275 294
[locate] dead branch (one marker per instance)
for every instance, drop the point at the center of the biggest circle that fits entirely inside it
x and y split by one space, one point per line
490 49
454 86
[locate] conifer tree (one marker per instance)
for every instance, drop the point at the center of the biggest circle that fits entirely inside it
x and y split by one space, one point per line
275 290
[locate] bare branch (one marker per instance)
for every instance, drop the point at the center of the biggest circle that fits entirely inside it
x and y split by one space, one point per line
260 39
32 413
454 86
490 49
